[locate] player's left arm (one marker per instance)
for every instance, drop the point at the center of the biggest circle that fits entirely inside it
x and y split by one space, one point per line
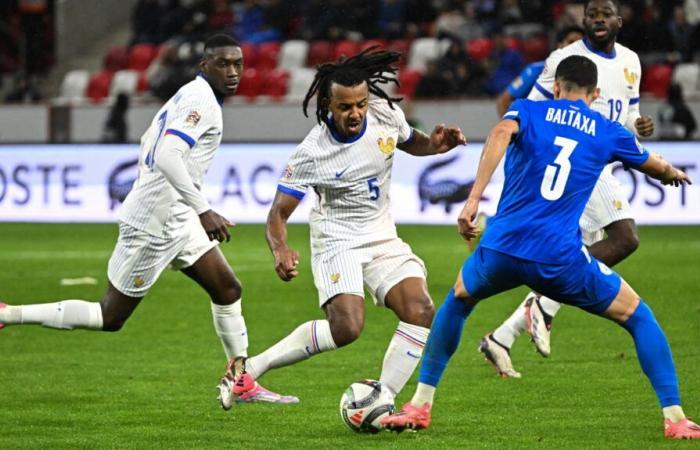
642 125
495 147
441 140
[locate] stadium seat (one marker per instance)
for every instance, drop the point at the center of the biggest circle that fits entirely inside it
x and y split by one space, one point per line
319 52
345 48
513 43
74 84
402 46
479 49
274 83
424 50
267 55
293 54
656 78
250 54
300 80
535 48
124 81
409 81
141 55
688 77
143 84
98 87
116 58
250 84
372 42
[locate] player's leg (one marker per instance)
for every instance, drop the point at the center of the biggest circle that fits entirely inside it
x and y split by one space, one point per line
655 358
396 279
484 274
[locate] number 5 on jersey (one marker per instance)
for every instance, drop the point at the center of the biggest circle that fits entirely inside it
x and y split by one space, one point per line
373 188
557 173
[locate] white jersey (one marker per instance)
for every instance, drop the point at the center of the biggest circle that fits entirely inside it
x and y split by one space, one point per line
193 114
351 179
619 74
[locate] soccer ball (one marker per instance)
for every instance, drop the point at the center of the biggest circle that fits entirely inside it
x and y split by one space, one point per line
364 404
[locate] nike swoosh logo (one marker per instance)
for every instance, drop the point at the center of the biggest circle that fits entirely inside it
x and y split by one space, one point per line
308 350
413 355
340 174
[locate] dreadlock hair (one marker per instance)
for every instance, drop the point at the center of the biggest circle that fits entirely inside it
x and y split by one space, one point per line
371 65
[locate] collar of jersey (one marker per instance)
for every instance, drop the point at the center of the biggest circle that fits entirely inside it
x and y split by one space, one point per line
589 46
336 135
219 99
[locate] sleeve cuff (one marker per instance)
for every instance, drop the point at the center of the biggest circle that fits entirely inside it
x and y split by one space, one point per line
181 135
409 139
289 191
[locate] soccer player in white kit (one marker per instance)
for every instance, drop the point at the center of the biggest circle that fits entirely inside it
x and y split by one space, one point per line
166 220
607 212
346 160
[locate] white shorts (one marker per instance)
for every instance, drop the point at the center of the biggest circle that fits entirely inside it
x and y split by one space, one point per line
378 267
608 204
139 258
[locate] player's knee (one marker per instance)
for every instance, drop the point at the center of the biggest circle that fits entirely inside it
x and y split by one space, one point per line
629 243
111 323
421 313
230 292
347 330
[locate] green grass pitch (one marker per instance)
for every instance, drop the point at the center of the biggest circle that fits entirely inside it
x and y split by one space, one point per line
152 384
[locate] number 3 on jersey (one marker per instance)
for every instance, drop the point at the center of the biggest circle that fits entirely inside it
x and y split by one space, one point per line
557 173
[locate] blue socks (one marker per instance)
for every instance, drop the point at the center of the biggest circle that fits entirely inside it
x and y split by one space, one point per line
444 338
654 354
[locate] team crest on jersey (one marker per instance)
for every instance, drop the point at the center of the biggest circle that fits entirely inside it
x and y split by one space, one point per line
335 277
138 281
388 147
631 77
617 204
193 118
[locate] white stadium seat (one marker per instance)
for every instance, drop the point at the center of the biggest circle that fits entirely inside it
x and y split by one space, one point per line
424 50
124 81
74 84
688 76
300 80
292 54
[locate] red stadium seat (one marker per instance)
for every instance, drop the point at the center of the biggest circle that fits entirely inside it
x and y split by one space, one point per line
409 81
116 58
141 55
319 52
345 48
274 83
250 54
250 85
143 84
535 48
513 42
267 55
402 46
372 42
479 49
98 87
656 78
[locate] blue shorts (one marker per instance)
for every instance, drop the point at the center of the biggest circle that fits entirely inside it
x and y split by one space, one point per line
584 282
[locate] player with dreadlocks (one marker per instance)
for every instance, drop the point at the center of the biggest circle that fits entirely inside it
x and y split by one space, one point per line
347 159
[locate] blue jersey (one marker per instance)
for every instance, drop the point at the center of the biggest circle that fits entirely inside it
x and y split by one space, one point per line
551 168
523 84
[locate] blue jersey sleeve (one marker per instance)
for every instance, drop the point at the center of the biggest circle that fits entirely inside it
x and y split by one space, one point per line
519 112
521 86
626 148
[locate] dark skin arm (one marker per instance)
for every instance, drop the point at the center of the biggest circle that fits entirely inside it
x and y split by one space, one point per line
286 259
441 140
644 126
215 225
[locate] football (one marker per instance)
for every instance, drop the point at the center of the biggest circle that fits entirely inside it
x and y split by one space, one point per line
363 404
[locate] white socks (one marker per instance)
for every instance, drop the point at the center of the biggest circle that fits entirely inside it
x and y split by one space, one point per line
517 322
424 394
64 315
230 327
403 355
674 413
308 339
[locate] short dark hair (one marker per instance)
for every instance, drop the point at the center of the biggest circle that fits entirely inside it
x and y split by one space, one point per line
564 32
372 65
577 72
614 2
219 40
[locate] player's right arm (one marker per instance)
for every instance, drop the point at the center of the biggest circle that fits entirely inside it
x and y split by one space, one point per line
520 87
286 259
630 152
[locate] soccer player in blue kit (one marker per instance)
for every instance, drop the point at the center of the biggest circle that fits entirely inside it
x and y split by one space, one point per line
556 150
